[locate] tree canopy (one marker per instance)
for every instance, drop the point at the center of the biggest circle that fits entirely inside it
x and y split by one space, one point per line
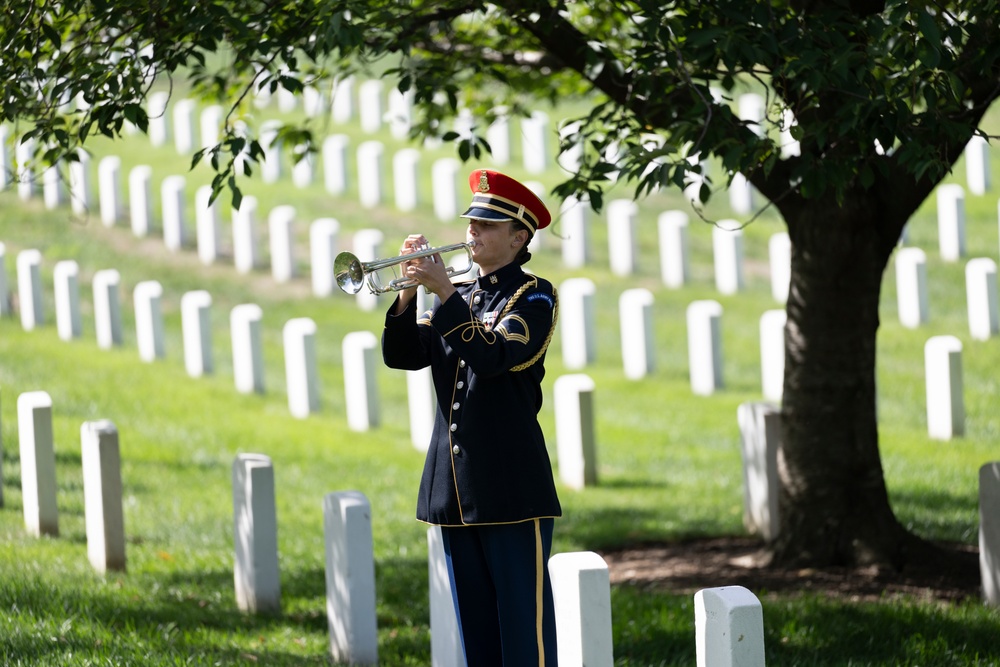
868 104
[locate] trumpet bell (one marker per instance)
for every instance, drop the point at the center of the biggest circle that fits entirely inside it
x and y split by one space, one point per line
349 272
352 274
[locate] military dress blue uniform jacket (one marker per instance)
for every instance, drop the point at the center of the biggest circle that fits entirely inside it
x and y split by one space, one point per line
487 461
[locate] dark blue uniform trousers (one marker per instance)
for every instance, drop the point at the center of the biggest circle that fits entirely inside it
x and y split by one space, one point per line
502 592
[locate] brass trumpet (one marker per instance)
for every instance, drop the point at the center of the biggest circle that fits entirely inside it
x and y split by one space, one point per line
352 273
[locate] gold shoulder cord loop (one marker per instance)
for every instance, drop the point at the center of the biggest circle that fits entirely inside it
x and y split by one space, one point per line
533 282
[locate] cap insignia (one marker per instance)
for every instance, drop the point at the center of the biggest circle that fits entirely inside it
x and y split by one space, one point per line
484 183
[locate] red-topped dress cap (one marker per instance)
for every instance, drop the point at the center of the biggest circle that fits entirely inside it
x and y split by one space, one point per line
497 196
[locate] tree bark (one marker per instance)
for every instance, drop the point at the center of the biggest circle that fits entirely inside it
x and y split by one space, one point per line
834 508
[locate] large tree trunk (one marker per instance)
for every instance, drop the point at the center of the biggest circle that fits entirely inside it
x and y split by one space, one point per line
834 508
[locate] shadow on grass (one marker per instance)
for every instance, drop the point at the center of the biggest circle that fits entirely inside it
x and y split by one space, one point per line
654 627
607 528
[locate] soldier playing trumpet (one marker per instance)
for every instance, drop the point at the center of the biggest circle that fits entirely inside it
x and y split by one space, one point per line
487 479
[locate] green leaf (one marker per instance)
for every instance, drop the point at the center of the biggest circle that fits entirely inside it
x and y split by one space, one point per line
196 158
867 176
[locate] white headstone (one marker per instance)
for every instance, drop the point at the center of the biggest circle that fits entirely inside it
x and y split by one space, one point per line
335 163
342 100
575 440
446 637
370 173
211 125
80 190
675 269
772 354
779 248
313 102
149 331
750 108
173 202
196 328
951 221
109 187
635 308
38 463
400 114
943 377
323 234
727 251
107 308
287 100
52 188
741 195
301 369
270 162
370 109
421 402
6 166
977 165
535 142
6 307
350 578
444 181
368 247
406 178
911 287
571 146
760 438
574 221
577 322
361 390
622 243
206 225
302 170
581 591
102 495
24 153
789 145
29 288
498 137
280 224
729 628
246 242
184 134
989 531
981 297
255 535
248 351
65 275
704 327
156 110
140 199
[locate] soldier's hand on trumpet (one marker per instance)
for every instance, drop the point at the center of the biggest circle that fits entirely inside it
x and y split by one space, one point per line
430 272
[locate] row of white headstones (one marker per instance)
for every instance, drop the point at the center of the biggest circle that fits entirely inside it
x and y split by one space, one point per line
729 620
945 418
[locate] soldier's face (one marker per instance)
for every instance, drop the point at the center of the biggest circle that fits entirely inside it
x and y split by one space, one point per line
496 245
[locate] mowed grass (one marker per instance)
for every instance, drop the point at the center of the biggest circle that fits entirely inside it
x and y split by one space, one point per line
668 461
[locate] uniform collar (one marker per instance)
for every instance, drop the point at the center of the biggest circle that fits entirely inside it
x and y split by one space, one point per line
502 275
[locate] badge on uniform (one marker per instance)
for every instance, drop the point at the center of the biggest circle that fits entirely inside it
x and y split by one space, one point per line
490 318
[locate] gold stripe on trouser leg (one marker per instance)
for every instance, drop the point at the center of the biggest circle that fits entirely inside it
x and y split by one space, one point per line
539 581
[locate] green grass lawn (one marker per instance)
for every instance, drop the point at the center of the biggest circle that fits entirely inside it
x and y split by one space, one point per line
668 461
